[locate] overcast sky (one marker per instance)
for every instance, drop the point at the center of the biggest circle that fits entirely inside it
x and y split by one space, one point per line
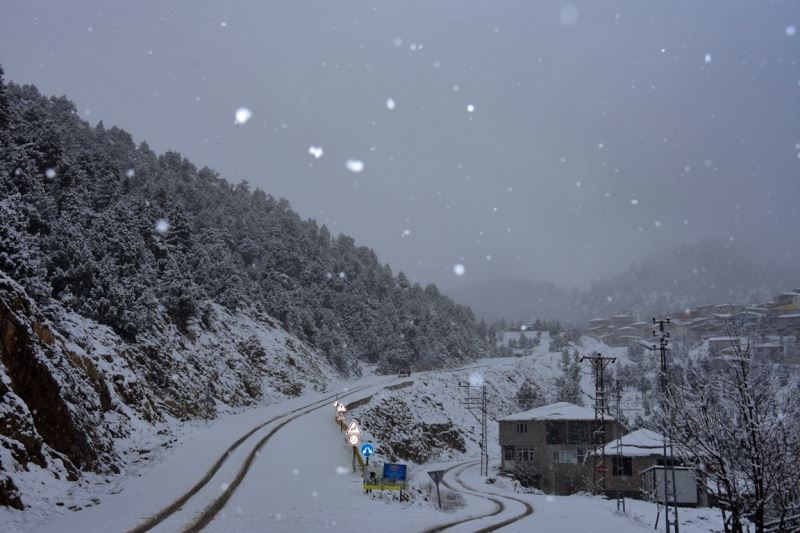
550 141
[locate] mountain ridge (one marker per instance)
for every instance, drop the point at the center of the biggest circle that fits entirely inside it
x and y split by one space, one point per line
691 274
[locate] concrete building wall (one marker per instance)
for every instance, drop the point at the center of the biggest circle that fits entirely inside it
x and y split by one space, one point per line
530 457
630 485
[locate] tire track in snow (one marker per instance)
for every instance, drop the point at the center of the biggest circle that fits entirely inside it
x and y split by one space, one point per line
498 499
176 505
211 511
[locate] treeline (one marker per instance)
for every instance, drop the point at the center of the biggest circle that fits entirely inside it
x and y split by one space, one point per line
95 223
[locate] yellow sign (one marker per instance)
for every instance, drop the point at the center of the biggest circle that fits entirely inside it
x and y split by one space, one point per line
387 486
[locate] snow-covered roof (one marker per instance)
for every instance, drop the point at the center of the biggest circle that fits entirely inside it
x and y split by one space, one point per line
554 411
639 443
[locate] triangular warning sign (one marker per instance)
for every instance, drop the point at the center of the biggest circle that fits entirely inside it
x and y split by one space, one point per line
354 429
436 475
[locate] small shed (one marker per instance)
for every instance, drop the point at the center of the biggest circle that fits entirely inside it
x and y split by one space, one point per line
688 492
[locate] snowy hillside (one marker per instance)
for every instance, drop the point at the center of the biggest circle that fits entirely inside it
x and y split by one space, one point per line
310 462
427 422
82 406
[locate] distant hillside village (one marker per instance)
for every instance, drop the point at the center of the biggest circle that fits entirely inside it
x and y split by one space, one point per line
559 447
771 329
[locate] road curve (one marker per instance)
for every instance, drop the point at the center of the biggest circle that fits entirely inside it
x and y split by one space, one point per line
217 504
176 505
499 500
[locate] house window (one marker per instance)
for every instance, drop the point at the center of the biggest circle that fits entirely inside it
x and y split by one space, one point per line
525 454
581 455
508 453
579 432
622 466
556 432
565 457
522 427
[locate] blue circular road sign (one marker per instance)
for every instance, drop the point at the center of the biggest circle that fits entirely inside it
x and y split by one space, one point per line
367 449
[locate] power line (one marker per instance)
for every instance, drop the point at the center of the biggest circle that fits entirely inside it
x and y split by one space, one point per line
618 431
671 524
599 364
476 404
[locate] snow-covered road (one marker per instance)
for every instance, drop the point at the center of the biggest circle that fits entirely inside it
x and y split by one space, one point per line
291 471
183 471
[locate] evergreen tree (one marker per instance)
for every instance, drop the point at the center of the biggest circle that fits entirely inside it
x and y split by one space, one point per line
5 109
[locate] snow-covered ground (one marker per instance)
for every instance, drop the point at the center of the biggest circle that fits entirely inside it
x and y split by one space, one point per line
302 479
585 513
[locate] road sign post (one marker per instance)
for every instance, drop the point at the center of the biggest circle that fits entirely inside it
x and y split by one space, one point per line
436 476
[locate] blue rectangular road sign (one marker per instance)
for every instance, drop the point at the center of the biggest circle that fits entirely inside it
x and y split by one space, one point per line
394 471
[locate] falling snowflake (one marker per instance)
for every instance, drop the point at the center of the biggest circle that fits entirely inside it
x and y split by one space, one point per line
223 487
162 226
398 41
609 299
354 165
577 183
459 269
316 151
390 104
708 58
488 257
568 15
456 88
657 223
341 470
50 173
342 275
470 108
130 173
406 233
242 115
314 494
476 379
223 23
295 471
634 201
791 30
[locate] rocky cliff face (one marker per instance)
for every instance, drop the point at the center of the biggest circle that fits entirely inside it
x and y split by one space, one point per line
77 400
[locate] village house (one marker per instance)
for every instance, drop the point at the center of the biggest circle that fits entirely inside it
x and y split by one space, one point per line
639 453
788 302
545 447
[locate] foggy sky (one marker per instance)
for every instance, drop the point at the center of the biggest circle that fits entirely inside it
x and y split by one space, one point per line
601 132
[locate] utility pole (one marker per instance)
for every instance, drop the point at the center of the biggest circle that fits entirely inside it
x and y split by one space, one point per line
476 404
618 409
671 524
599 364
